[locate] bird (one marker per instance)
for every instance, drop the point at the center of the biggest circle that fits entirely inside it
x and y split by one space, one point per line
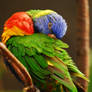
48 22
27 36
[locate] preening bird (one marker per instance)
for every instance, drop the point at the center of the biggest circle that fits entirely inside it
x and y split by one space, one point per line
26 35
48 22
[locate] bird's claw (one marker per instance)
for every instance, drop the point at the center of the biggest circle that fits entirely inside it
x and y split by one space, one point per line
31 89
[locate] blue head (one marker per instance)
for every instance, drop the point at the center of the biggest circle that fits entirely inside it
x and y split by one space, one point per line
51 24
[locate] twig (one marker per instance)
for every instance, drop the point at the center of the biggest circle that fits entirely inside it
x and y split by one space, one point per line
19 68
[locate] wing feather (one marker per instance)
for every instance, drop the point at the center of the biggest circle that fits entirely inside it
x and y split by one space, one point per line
44 58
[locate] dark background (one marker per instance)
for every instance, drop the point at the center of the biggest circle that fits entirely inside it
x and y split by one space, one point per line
67 8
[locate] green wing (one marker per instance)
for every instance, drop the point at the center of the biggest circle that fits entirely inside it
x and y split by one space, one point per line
75 72
44 58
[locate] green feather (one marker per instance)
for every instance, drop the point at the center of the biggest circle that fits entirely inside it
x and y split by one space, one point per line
62 76
39 13
34 52
41 61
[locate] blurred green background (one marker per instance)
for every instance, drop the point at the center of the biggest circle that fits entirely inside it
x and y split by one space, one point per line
67 8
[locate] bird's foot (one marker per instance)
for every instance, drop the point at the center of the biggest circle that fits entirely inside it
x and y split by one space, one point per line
30 89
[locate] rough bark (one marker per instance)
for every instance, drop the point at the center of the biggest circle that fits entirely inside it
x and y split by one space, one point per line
82 39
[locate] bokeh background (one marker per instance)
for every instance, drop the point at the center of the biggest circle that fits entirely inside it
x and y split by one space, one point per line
67 8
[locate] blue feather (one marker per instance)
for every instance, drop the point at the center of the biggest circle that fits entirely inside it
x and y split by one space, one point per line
51 23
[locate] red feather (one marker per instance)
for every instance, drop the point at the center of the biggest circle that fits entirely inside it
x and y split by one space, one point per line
22 21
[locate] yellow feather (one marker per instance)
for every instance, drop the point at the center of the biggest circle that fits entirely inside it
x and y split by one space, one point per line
80 76
49 63
42 13
8 32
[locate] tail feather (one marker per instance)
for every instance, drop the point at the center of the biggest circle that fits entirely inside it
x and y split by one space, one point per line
70 88
61 74
80 76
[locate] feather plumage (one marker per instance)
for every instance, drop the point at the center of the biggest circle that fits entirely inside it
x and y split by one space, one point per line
35 57
48 21
45 58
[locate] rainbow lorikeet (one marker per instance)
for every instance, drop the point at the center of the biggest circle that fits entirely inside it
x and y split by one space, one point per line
26 36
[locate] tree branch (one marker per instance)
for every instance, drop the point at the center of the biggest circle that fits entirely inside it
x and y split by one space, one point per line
19 68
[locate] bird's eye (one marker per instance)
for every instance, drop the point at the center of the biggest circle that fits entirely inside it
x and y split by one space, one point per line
49 25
